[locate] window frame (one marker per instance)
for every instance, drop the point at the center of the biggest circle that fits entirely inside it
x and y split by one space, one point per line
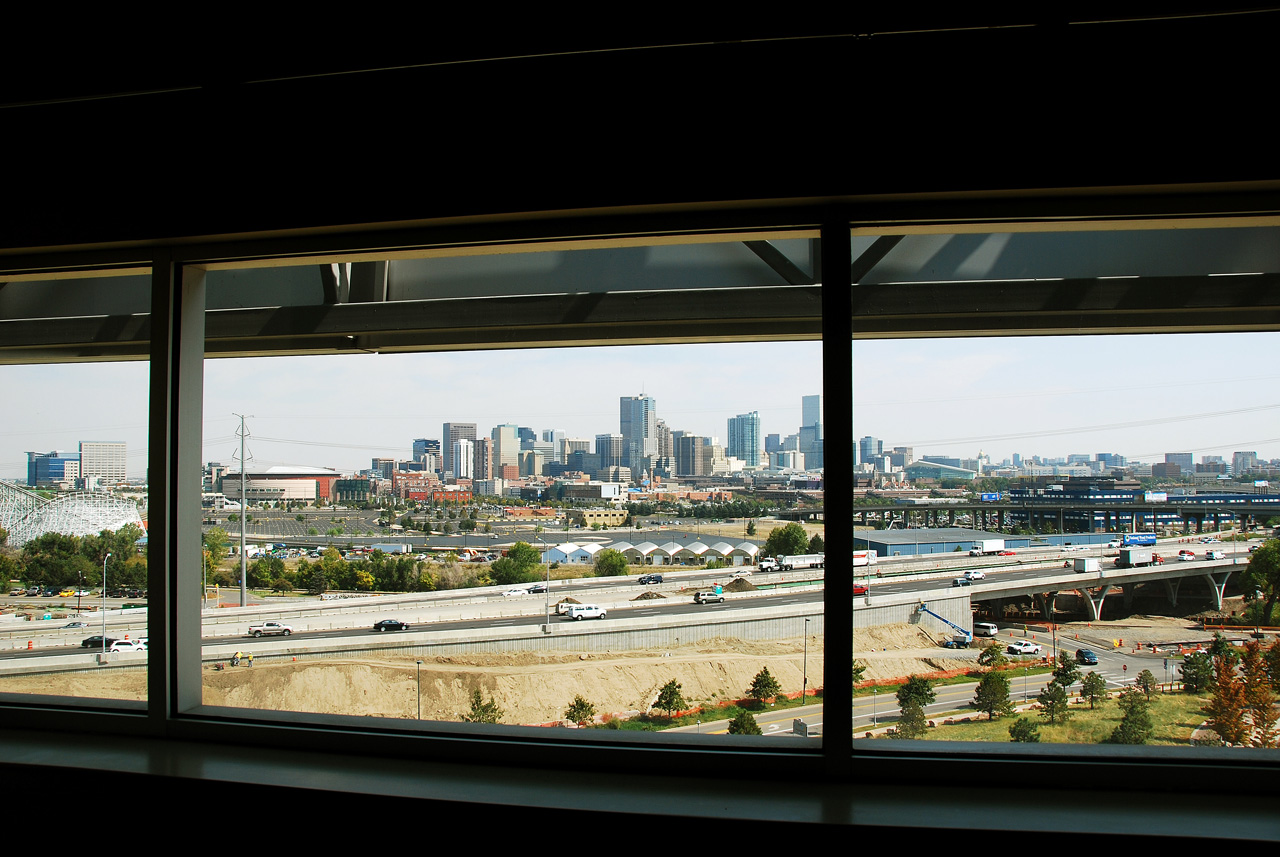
177 351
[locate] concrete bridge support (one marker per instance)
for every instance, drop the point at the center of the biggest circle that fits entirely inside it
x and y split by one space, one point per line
1044 601
1217 583
1126 590
1171 586
1094 599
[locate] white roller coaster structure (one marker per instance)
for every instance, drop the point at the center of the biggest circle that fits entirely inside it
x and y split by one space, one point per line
27 515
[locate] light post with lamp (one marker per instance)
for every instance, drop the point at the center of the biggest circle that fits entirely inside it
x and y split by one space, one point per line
104 602
419 684
804 672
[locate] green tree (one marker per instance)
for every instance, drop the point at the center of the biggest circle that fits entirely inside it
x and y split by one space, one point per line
918 690
215 541
786 541
751 528
1023 731
1067 671
610 563
816 544
1093 688
505 572
992 695
1135 726
579 711
911 722
764 686
669 698
485 712
859 670
1262 577
1196 670
1054 704
744 724
1146 682
992 656
524 555
1225 711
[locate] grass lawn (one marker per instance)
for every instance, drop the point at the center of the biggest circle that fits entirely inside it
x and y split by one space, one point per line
1175 716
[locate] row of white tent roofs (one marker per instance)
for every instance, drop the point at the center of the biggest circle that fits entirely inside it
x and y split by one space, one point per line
648 553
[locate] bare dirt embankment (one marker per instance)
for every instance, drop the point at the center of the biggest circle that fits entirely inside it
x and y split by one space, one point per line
529 687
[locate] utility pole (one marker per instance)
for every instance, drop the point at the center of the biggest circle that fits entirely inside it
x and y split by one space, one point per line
244 506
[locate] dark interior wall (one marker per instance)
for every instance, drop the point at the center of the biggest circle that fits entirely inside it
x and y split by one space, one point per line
822 117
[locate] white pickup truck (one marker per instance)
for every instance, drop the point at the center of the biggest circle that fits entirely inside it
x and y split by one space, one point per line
270 629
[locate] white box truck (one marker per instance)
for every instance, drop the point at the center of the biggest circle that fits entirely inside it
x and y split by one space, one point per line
987 547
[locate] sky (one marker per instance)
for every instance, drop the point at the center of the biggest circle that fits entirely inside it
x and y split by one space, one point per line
1139 396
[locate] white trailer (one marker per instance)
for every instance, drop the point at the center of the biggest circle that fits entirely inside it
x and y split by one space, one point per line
864 558
1088 563
806 560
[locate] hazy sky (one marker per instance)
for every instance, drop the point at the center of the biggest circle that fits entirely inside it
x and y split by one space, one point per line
1140 396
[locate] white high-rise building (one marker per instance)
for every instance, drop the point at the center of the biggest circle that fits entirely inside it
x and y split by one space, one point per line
103 460
464 456
744 438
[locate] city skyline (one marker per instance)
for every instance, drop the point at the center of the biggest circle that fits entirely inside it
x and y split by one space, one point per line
1141 397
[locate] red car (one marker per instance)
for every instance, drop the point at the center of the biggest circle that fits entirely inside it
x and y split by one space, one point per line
1005 553
860 589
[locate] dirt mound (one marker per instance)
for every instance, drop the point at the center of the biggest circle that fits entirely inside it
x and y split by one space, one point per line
739 585
648 596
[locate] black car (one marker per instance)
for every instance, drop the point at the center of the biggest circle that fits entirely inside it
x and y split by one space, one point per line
391 625
536 588
95 642
1086 657
649 578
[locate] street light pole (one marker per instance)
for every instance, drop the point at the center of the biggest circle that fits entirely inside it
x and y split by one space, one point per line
804 672
104 602
419 683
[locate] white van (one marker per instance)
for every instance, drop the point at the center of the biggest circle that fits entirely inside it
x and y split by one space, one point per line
585 611
985 629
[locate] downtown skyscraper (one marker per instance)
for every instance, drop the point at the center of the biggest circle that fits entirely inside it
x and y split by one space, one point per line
744 438
638 425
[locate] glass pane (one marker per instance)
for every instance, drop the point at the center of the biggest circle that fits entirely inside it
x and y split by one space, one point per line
1094 496
73 505
533 526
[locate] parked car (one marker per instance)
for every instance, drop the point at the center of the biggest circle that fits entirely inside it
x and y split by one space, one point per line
95 642
19 592
391 625
985 629
646 579
1025 647
1086 657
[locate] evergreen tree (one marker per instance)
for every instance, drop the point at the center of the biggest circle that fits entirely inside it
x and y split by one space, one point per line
744 724
918 690
859 669
1196 670
481 711
764 686
992 695
579 711
911 723
1135 726
1067 671
669 698
1146 682
1093 688
992 656
1054 704
1024 731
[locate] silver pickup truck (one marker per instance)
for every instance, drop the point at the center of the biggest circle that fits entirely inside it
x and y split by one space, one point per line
270 629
